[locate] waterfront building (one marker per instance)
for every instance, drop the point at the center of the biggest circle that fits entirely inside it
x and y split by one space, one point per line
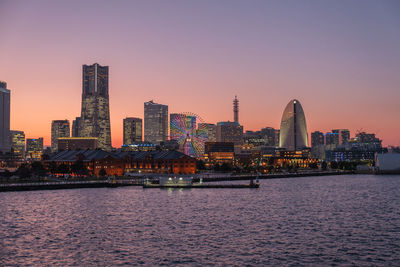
17 140
219 153
228 131
34 148
118 163
76 143
75 127
4 118
59 128
317 139
95 114
132 130
155 122
209 131
293 132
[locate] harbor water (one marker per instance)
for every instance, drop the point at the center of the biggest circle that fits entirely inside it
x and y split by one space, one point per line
329 220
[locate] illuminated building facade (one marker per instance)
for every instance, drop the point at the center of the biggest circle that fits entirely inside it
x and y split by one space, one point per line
59 128
132 130
77 143
17 140
219 152
230 132
209 130
34 149
95 114
155 122
4 118
118 163
293 132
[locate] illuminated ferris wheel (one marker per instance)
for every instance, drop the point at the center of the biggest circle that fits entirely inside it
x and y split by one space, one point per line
188 130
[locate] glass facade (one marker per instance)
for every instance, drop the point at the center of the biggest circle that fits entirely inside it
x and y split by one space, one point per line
59 128
293 132
4 118
155 122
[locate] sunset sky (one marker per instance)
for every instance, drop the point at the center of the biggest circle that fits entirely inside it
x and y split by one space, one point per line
341 59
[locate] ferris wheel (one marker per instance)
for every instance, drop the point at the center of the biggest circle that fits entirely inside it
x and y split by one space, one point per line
188 130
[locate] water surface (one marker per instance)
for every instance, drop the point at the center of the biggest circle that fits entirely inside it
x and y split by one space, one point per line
332 220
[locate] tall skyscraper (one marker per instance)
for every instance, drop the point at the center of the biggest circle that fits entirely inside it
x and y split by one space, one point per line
317 139
228 131
155 122
75 127
236 110
95 114
293 133
4 118
132 130
17 140
59 128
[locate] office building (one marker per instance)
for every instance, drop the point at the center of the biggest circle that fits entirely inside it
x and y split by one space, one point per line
317 139
59 128
343 134
17 140
75 127
77 143
34 148
228 131
293 132
155 122
4 118
132 130
95 114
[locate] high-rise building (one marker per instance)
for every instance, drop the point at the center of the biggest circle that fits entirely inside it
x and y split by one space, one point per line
332 139
75 127
343 134
4 118
228 131
209 131
293 133
236 110
155 122
95 114
317 139
132 130
17 140
59 128
34 148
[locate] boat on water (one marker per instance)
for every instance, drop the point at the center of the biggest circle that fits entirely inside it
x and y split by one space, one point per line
187 182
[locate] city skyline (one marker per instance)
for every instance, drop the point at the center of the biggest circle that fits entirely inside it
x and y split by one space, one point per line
343 70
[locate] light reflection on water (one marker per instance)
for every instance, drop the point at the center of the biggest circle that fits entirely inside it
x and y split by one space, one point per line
337 220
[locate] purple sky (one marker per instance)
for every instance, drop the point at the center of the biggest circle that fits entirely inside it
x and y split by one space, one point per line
341 59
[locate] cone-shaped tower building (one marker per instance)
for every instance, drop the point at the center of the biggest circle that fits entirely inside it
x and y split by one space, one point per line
293 133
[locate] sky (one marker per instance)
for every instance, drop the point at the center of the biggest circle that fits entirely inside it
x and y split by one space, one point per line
340 59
